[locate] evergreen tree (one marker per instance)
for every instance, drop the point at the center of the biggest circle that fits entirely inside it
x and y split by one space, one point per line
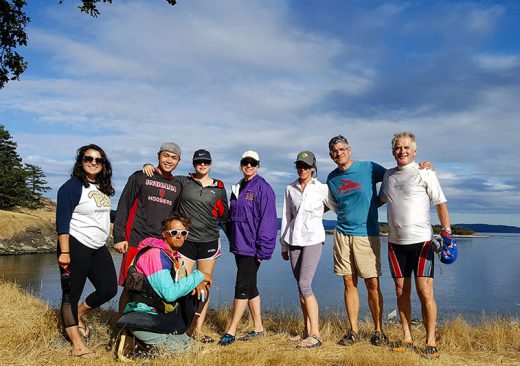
36 184
13 189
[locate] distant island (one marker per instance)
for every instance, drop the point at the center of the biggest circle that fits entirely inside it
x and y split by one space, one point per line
457 229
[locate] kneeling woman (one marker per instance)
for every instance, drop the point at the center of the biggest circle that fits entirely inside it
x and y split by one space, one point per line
161 305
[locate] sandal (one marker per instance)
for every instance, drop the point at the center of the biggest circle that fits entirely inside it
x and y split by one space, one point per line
299 337
310 342
431 352
227 339
205 339
252 334
402 346
349 339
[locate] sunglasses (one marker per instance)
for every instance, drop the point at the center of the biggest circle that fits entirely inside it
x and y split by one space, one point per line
174 232
90 159
303 166
200 162
252 162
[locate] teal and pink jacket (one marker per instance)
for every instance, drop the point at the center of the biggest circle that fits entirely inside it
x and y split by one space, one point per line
158 264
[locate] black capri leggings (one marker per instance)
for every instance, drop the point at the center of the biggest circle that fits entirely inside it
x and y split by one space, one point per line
96 265
247 269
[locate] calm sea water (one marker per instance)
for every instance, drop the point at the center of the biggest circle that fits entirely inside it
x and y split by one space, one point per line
484 280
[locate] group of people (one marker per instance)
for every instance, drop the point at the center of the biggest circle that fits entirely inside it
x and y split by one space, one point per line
167 228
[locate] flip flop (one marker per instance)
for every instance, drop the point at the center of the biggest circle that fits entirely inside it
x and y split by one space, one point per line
85 331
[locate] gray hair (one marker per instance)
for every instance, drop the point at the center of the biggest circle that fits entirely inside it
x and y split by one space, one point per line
336 140
398 135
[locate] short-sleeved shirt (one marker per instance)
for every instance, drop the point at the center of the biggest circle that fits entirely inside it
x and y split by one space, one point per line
355 192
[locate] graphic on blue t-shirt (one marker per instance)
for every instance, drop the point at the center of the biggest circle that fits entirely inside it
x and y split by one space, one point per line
355 191
348 185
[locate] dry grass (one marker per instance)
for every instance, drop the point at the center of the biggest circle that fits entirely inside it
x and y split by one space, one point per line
29 335
19 220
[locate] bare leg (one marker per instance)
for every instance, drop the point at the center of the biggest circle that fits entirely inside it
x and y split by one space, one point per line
313 323
79 348
123 299
424 287
403 288
375 302
256 313
83 309
352 301
239 307
306 320
206 266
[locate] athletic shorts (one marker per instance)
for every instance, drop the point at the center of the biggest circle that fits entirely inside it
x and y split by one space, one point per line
357 255
417 258
200 251
128 257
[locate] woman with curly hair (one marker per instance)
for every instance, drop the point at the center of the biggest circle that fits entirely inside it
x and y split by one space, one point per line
83 226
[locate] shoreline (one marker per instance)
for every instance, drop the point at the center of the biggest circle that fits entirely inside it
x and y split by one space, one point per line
331 232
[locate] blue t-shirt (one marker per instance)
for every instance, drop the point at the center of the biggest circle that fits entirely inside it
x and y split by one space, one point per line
355 191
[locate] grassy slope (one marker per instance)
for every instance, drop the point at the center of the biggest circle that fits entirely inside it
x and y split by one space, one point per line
29 335
14 222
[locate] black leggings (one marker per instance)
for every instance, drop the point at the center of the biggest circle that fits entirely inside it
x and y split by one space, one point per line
247 269
96 265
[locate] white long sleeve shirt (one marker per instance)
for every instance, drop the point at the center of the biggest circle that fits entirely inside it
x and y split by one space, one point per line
408 191
302 214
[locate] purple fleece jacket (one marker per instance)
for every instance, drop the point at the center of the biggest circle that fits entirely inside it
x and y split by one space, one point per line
253 224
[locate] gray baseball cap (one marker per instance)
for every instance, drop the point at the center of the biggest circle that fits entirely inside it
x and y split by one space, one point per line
171 147
306 157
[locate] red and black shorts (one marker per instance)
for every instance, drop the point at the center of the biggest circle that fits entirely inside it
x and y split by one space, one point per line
408 258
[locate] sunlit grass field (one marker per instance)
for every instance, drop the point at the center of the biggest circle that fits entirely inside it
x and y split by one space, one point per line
30 335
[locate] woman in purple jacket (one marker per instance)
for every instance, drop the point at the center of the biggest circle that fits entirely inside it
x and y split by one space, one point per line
252 229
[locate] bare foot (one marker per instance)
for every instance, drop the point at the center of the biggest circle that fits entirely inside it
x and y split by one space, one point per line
84 353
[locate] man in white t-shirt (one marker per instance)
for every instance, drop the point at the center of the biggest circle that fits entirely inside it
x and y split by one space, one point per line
408 192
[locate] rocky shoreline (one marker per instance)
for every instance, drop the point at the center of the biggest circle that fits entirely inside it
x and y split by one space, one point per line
32 241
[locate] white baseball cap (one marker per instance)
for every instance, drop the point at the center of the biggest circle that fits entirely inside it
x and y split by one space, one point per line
251 154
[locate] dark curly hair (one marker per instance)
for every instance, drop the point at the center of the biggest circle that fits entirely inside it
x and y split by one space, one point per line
103 179
185 220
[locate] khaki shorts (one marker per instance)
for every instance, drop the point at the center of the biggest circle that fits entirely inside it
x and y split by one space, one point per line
357 255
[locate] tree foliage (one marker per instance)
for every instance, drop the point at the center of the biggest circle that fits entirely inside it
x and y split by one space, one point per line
13 21
36 184
90 6
20 185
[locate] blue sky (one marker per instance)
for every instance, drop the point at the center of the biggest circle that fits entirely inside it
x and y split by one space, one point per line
278 77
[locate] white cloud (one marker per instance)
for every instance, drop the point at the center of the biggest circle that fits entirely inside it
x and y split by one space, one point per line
496 62
235 75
